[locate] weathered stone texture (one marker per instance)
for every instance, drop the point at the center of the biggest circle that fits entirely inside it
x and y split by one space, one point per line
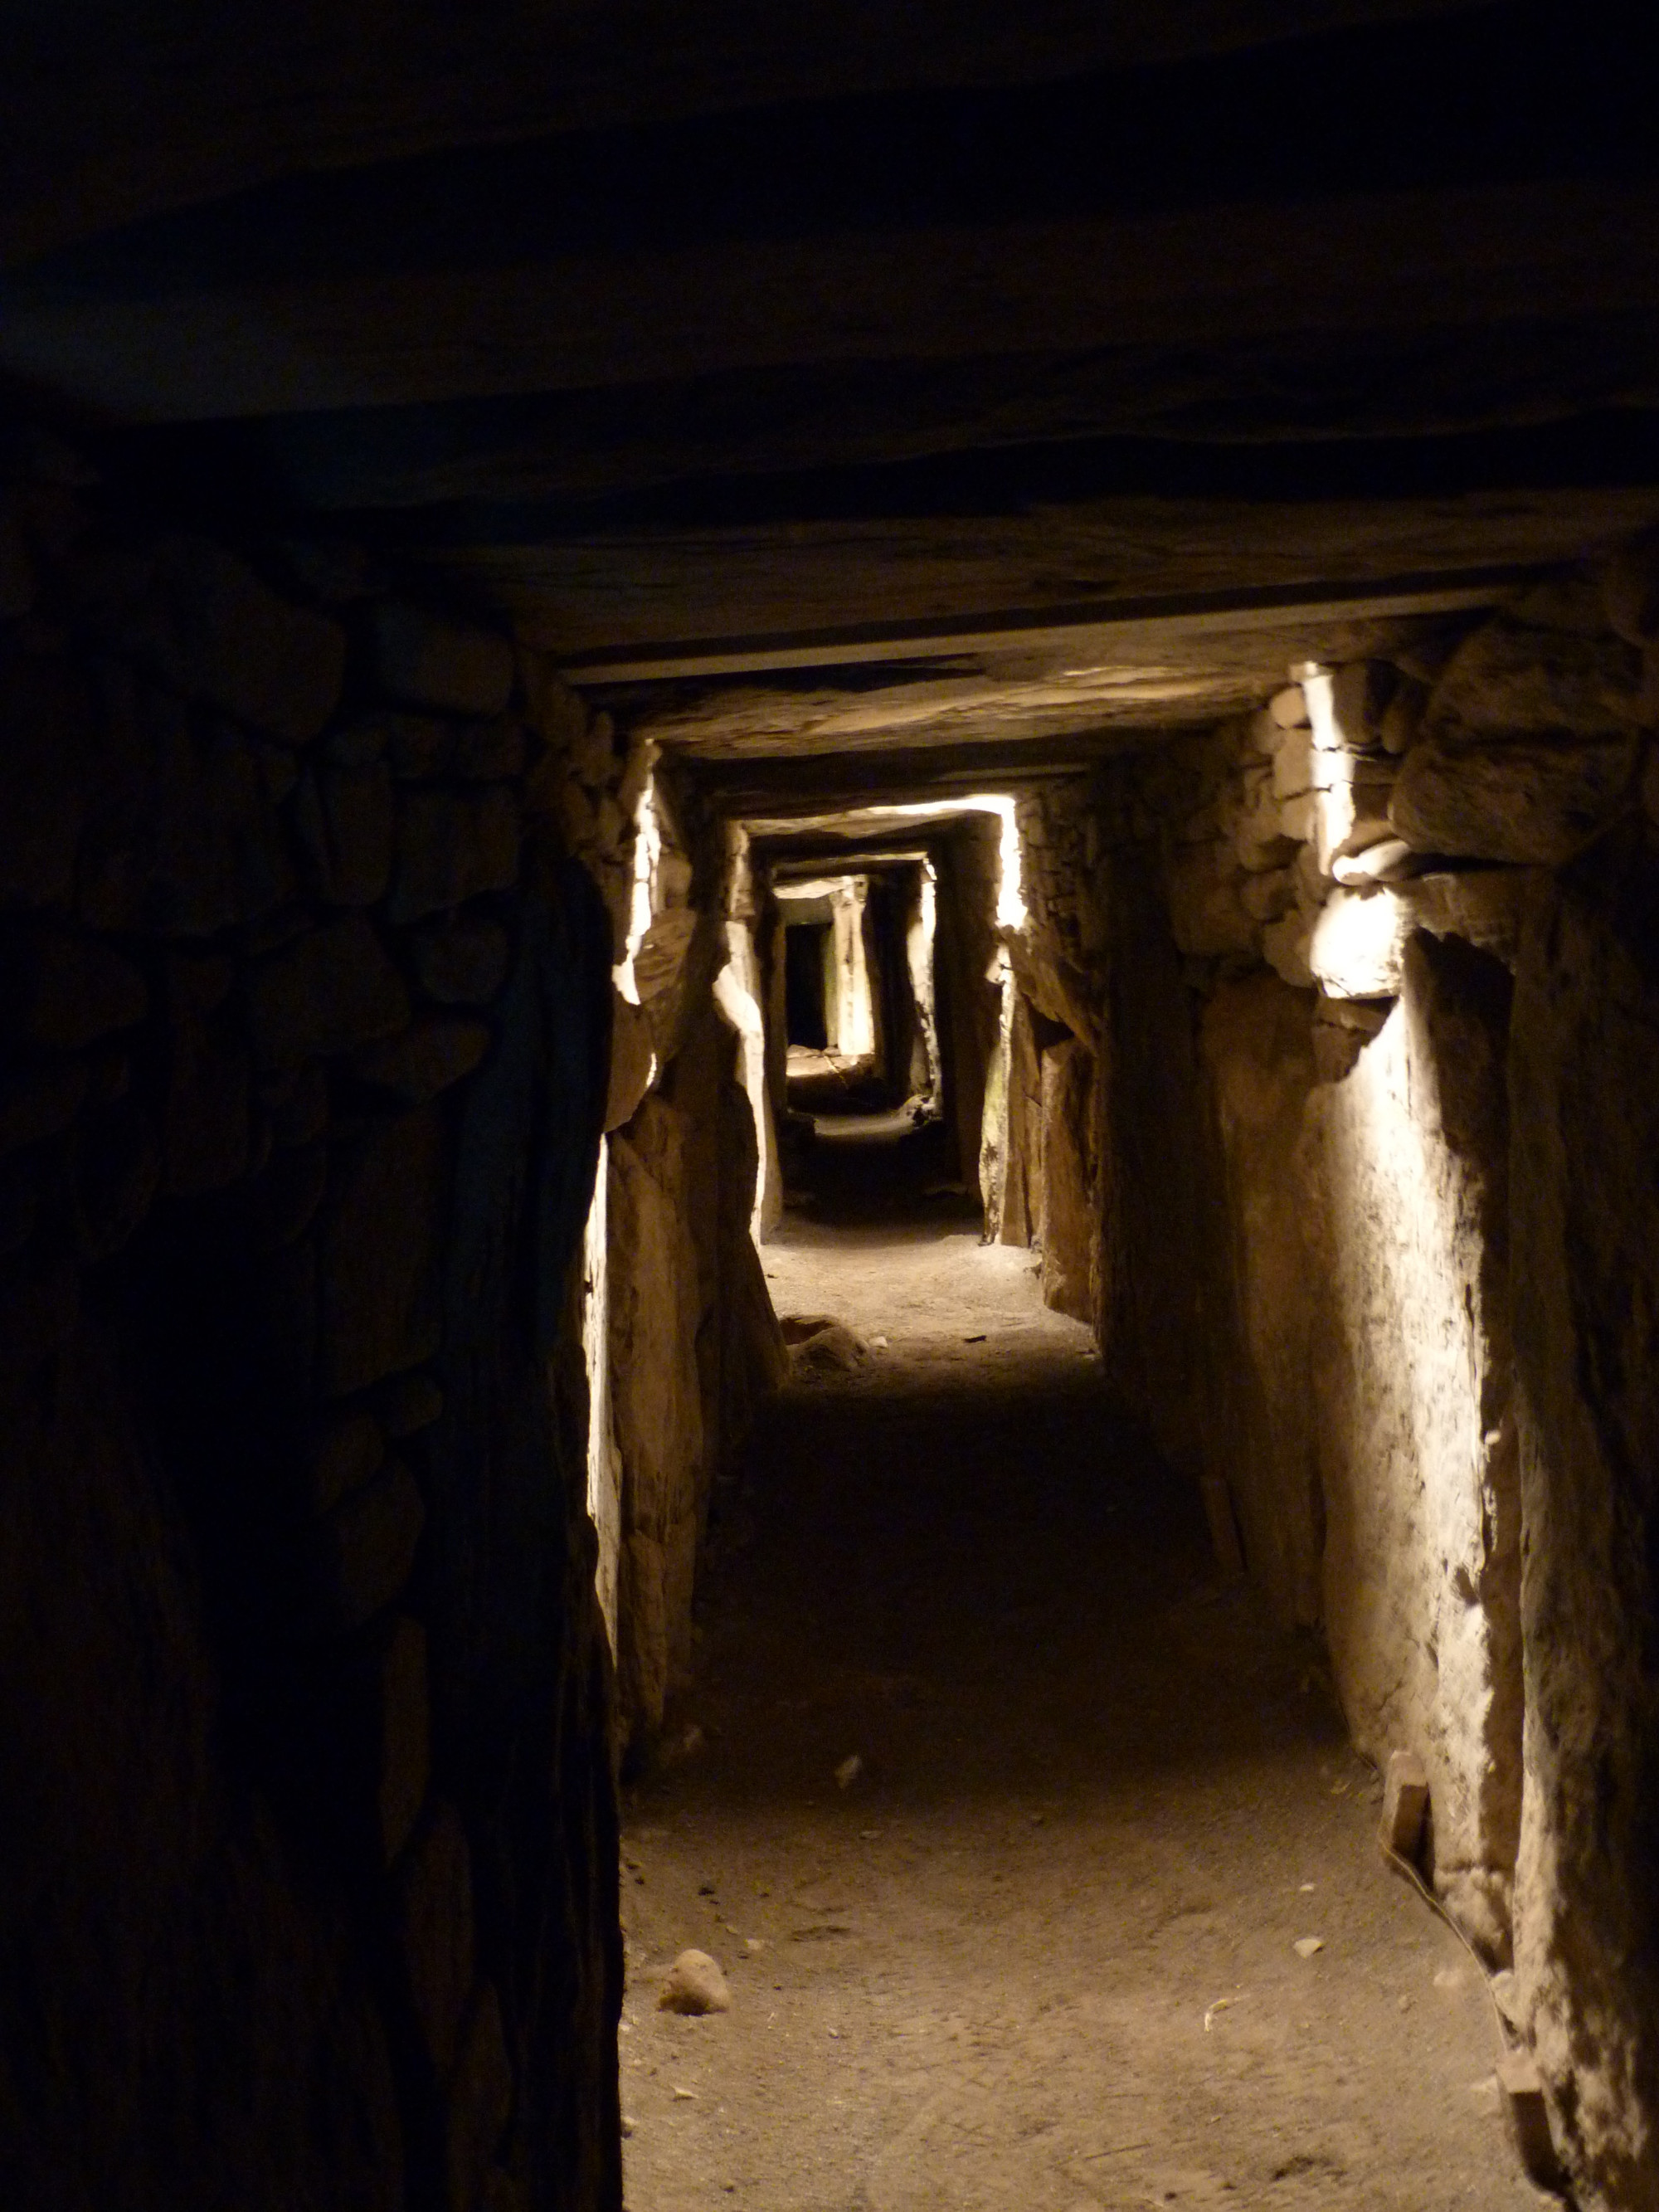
657 1402
379 1292
1258 1062
1412 1376
1509 678
1068 1216
200 618
1584 1072
451 846
1510 801
331 989
423 661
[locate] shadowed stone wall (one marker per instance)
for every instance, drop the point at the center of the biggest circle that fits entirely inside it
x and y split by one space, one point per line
1377 1196
310 1849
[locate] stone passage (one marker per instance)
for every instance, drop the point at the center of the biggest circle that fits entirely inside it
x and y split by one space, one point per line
616 627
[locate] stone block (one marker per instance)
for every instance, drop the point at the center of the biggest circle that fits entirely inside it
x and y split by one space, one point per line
285 1194
1391 859
60 991
1292 769
435 1926
1284 948
346 1454
364 1551
420 660
1528 2117
1508 680
451 846
1358 944
1405 1805
46 755
1359 695
342 823
41 1102
1486 906
1206 913
1402 718
405 1735
378 1289
633 1060
418 746
182 837
1516 802
1266 898
1629 590
461 960
199 617
331 989
409 1403
480 2097
1288 708
205 1123
489 752
425 1058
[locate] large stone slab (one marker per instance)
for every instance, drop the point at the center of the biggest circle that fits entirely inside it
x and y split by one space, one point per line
1412 1379
331 989
1508 679
1516 802
379 1292
1584 1070
199 617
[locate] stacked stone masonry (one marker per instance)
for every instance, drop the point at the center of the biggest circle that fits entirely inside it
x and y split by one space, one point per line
304 1002
1402 1162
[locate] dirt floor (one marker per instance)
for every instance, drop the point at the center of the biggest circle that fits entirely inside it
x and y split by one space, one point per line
1038 1954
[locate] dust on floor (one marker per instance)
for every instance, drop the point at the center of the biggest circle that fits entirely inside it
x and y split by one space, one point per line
1038 1954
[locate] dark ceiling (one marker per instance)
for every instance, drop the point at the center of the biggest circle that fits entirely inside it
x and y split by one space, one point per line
883 378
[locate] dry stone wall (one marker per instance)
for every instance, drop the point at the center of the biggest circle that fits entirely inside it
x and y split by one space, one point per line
310 1857
692 1343
1394 1188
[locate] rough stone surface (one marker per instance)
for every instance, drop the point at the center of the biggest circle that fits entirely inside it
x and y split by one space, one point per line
437 1930
365 1549
331 989
343 822
1258 1062
182 836
425 1058
1511 801
461 960
1068 1213
199 617
1358 944
405 1749
480 2101
633 1061
60 991
451 846
657 1402
422 660
1585 1082
1507 680
695 1984
380 1308
1414 1424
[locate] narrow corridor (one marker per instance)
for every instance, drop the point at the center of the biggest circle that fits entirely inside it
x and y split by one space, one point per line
1037 1953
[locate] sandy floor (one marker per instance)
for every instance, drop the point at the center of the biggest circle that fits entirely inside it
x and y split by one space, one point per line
1038 1956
